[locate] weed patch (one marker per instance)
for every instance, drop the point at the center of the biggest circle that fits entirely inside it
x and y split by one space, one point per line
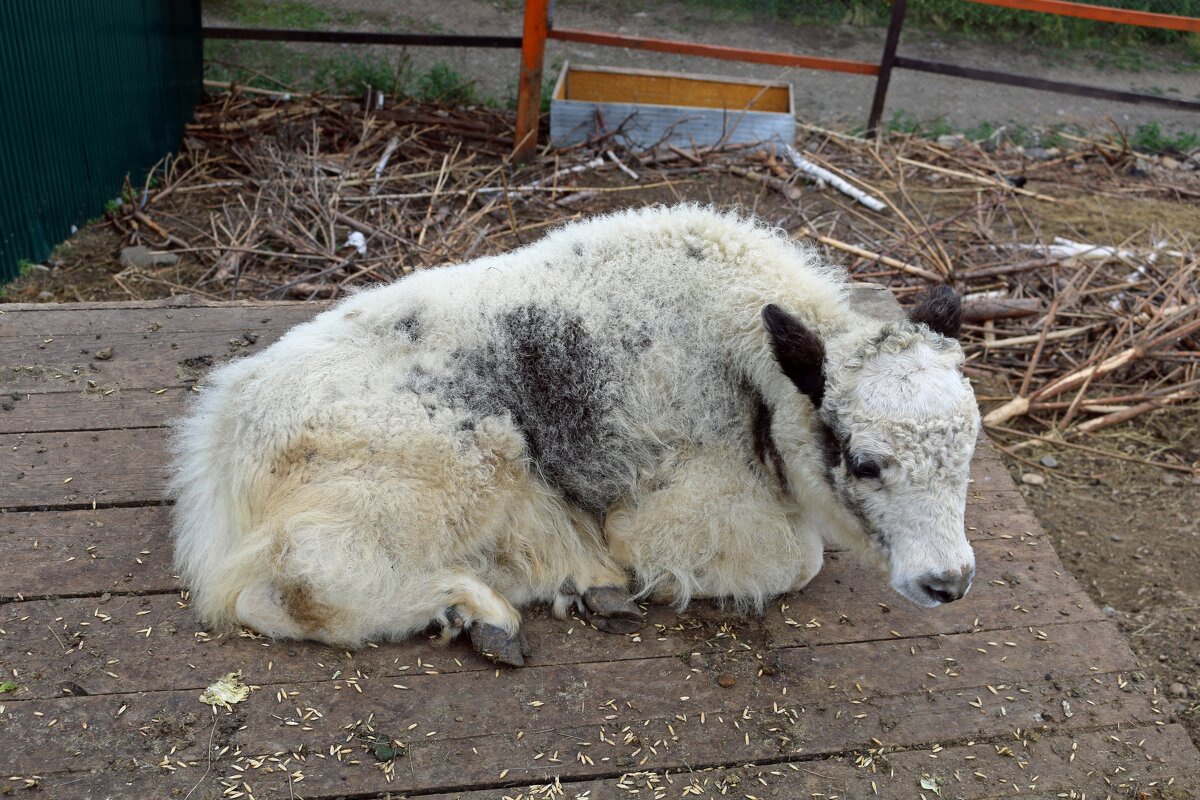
1151 138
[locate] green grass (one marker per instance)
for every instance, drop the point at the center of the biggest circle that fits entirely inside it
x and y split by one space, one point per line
279 66
1151 138
285 14
353 74
276 66
1148 138
906 122
443 84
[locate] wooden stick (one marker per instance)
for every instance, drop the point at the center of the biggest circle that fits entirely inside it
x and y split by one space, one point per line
821 174
1133 411
1006 269
1001 308
1126 356
980 179
867 254
1094 450
790 192
1021 341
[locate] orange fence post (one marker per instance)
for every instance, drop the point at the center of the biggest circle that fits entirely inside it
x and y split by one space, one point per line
529 85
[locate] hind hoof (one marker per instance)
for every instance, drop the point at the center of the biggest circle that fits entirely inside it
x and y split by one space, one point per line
452 627
496 645
612 609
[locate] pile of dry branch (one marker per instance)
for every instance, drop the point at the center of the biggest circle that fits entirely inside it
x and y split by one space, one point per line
1079 314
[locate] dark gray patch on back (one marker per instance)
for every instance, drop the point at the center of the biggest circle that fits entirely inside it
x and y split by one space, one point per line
561 388
695 251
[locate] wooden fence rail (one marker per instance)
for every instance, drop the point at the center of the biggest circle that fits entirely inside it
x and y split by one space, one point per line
1121 16
539 27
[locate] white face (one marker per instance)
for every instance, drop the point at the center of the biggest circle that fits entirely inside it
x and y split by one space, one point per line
902 425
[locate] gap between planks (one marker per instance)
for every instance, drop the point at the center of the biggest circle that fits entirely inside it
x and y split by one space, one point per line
80 469
128 549
847 604
785 779
471 739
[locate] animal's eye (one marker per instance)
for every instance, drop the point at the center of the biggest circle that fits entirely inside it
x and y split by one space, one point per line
864 468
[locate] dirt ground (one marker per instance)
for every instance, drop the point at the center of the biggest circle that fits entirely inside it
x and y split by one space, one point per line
830 98
1131 535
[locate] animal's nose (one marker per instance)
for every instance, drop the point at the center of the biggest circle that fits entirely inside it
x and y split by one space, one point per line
948 586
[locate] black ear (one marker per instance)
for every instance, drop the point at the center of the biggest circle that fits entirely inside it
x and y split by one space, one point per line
941 309
799 352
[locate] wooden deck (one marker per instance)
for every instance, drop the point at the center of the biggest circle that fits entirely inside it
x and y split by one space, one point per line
844 690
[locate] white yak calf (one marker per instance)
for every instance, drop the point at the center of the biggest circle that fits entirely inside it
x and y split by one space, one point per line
671 401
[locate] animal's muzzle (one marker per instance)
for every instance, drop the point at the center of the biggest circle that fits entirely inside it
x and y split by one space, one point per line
947 587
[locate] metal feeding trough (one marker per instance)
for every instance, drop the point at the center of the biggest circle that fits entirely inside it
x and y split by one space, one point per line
652 107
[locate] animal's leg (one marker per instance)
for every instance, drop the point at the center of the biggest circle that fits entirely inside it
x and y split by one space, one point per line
260 607
609 608
492 623
709 528
810 560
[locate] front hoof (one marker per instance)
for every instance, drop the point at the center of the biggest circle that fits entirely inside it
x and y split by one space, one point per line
612 609
495 644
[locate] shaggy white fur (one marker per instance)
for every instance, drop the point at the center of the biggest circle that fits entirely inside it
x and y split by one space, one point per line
602 404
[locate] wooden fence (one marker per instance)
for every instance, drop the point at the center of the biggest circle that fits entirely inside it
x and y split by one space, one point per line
539 27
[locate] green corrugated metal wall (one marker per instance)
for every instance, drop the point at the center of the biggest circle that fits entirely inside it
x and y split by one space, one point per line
92 90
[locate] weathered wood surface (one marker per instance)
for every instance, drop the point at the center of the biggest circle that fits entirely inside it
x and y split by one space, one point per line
842 690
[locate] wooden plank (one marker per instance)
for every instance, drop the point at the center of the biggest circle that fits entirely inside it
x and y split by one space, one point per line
157 638
148 350
50 349
1043 768
828 673
73 469
156 405
124 550
79 469
714 51
1001 515
529 81
14 313
1121 16
672 89
534 715
1042 84
80 553
359 37
92 409
177 301
886 62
